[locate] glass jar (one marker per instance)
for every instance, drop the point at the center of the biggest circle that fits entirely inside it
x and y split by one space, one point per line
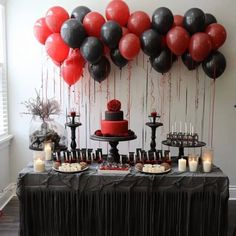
47 130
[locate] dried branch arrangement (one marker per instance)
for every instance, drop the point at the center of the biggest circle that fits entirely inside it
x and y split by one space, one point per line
39 107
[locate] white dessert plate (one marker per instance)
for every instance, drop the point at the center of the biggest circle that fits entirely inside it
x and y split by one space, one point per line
156 173
69 172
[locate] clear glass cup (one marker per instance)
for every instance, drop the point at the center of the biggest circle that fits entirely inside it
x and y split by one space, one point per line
193 162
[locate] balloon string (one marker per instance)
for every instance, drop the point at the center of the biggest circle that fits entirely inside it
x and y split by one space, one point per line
179 80
203 109
143 122
46 84
60 82
68 97
94 91
146 97
114 84
129 93
89 115
86 125
213 113
170 98
197 97
209 117
152 91
42 70
100 94
107 90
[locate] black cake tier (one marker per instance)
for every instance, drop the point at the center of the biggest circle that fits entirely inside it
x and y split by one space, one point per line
114 115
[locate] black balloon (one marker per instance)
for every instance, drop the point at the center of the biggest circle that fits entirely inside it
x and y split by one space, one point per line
100 70
189 62
73 33
194 20
214 65
162 20
209 19
92 49
117 58
79 13
151 42
111 33
163 61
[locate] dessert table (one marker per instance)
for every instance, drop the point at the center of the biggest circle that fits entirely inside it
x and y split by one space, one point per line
90 203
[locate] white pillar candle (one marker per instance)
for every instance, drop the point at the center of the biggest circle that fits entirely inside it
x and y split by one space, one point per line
175 127
193 165
172 129
48 152
39 165
182 164
190 128
180 126
207 166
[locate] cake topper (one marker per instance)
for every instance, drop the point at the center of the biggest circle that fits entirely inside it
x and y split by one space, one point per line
114 105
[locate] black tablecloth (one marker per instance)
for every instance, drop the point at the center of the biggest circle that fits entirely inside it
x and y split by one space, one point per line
137 204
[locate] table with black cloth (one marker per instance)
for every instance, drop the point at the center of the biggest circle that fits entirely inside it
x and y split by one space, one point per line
136 204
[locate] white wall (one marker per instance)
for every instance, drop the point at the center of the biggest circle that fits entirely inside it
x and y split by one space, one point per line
4 165
26 57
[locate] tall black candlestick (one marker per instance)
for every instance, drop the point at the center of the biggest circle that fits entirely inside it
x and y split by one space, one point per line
153 125
73 125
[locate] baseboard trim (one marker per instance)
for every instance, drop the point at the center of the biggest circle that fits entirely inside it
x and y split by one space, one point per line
232 192
7 194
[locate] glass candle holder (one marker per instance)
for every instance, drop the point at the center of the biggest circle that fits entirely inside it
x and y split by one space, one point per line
48 149
193 162
39 161
207 160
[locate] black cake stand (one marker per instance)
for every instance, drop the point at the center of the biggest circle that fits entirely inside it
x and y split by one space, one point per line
113 155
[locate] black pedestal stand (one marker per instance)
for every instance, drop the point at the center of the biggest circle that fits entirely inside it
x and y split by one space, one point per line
113 155
153 125
73 125
181 147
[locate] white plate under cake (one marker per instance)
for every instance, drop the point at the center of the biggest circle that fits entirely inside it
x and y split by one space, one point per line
153 169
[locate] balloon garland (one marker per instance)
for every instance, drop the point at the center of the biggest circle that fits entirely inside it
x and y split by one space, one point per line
86 36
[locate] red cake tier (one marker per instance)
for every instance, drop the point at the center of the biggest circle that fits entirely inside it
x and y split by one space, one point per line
114 128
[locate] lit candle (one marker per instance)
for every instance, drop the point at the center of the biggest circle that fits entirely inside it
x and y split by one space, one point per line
39 165
185 128
182 164
193 165
180 126
207 166
172 129
175 126
48 151
190 128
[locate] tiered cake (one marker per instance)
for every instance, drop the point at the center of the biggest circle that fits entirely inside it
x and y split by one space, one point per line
114 123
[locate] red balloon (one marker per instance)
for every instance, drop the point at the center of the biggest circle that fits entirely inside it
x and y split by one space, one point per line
72 67
200 46
129 46
118 11
55 17
41 30
56 48
217 34
93 22
125 31
177 40
139 22
178 20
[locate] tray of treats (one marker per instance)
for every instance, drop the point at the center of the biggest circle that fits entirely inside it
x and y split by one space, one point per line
153 169
114 168
70 167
